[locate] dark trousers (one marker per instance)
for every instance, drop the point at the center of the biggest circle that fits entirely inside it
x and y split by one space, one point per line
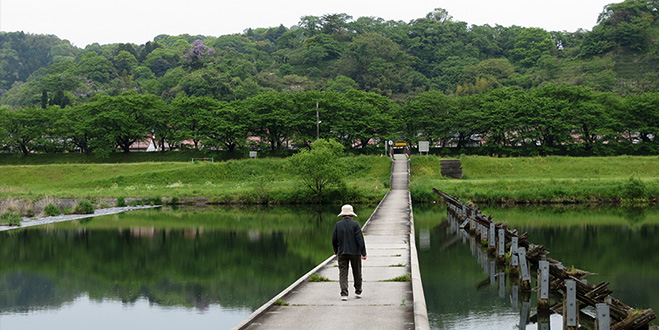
355 261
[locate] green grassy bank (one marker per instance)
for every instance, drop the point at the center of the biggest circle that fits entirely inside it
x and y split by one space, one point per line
552 179
273 181
254 181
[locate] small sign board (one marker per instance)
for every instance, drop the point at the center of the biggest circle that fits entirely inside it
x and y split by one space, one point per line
252 154
401 144
424 146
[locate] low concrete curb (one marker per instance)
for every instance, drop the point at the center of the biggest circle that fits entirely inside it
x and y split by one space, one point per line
29 222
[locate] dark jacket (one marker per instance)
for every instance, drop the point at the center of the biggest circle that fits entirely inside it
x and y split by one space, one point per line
347 238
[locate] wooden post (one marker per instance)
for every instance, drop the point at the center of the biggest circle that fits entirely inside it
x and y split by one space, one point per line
570 312
603 317
492 239
501 276
483 233
543 285
514 259
493 272
514 296
524 269
501 256
543 317
486 264
524 314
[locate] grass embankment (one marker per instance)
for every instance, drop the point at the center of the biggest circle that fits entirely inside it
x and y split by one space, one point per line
257 181
540 179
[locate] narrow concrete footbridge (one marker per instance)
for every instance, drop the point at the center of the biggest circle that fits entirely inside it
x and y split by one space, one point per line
385 303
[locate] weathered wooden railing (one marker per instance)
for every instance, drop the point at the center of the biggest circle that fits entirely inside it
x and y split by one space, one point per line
552 275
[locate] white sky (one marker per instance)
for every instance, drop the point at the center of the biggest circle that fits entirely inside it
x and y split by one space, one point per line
83 22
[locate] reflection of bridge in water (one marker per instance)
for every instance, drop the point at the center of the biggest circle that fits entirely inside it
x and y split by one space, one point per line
506 256
393 295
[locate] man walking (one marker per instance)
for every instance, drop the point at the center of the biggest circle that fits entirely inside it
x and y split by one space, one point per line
348 243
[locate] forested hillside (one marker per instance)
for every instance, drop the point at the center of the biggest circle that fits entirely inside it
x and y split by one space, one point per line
401 69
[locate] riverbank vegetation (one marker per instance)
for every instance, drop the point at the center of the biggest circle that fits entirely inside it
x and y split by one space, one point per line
249 181
541 179
623 179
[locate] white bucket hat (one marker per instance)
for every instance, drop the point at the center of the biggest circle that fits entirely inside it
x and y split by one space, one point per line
346 210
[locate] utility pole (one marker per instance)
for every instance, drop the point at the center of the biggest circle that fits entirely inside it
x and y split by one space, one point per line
317 122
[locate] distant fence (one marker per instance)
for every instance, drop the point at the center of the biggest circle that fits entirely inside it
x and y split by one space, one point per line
212 160
508 248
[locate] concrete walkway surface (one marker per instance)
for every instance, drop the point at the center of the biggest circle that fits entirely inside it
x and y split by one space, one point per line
385 304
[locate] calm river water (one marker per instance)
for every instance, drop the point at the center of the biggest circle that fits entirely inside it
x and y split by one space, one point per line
209 269
462 292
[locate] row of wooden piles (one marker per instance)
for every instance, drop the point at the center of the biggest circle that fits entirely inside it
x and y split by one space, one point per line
520 256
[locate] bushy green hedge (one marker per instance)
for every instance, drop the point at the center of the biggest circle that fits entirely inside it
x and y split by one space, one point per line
83 207
52 210
575 150
10 219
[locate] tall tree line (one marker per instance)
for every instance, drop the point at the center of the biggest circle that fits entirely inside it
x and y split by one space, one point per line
546 120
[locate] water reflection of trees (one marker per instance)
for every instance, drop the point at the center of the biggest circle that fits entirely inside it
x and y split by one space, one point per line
634 214
193 268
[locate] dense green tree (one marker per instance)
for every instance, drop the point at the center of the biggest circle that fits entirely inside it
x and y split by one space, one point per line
272 117
74 126
160 60
428 115
530 45
227 127
376 63
630 25
125 61
464 121
21 54
95 67
24 127
130 48
548 117
320 166
341 84
120 121
642 117
44 99
191 118
502 117
364 118
320 48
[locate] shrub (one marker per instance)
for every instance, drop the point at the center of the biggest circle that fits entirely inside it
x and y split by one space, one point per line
10 219
634 189
121 202
84 207
174 201
29 213
52 210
